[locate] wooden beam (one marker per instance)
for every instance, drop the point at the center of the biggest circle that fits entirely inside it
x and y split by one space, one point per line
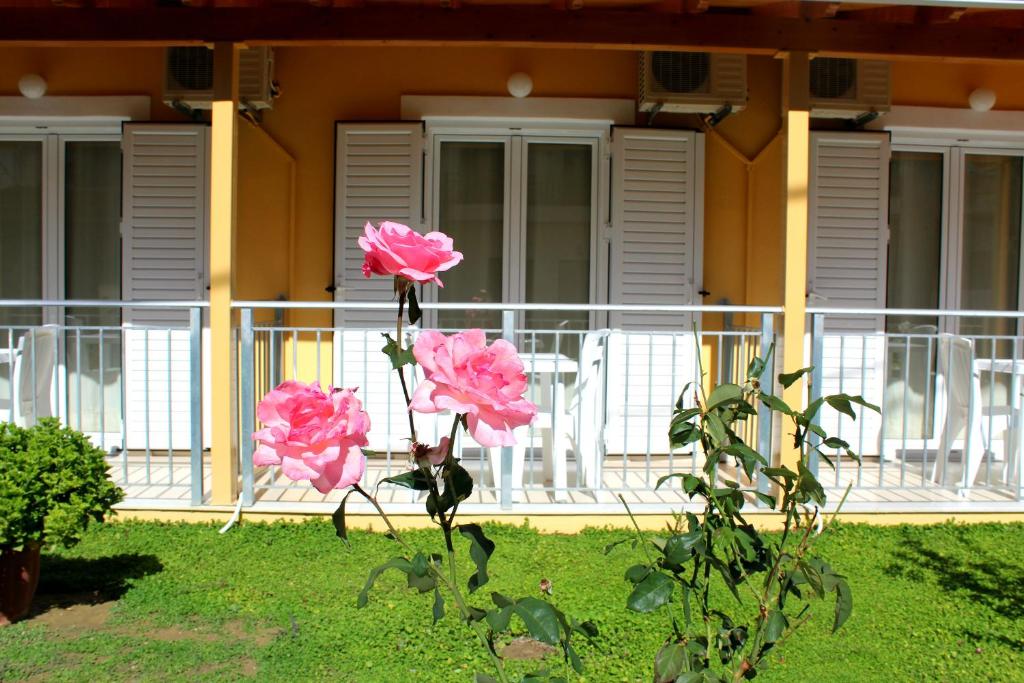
940 15
507 27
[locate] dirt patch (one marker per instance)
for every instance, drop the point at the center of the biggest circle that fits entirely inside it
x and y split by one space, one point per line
261 637
527 648
71 614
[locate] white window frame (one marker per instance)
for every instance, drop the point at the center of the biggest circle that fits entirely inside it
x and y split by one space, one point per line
954 151
517 139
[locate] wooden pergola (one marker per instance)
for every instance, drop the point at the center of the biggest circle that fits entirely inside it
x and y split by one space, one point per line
972 30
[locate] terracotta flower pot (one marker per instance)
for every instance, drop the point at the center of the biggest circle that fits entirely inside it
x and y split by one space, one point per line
19 576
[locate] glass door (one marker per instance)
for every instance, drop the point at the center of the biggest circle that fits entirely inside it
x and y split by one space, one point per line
917 224
90 216
523 211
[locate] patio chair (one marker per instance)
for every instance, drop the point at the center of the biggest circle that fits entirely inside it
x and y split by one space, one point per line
959 413
32 376
581 422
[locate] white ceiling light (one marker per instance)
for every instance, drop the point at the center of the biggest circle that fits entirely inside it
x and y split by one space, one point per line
520 84
32 86
982 99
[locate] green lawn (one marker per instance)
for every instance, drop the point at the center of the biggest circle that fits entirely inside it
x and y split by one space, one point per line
277 602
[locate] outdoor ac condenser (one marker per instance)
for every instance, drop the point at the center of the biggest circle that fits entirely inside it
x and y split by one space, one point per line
848 88
692 82
188 77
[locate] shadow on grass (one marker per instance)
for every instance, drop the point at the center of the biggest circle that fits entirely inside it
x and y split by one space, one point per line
66 581
972 573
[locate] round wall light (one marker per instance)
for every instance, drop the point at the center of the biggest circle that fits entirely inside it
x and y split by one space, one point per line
520 84
32 86
982 99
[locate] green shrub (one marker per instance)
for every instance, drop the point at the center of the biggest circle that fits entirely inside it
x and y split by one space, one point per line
53 483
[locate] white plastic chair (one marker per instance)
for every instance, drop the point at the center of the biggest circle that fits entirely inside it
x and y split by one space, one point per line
581 421
959 413
32 376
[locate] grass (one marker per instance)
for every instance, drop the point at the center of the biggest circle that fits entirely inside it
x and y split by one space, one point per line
277 603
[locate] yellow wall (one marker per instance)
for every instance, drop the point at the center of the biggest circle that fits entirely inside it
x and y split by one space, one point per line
742 254
287 167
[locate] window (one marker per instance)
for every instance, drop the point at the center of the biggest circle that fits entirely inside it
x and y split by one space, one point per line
60 203
524 211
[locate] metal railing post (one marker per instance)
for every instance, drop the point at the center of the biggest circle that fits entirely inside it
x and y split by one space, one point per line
195 327
817 359
764 415
508 329
247 403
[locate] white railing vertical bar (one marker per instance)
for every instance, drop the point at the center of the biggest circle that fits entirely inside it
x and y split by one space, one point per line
764 415
102 393
145 391
195 326
989 455
817 374
862 409
929 410
906 393
170 409
650 406
78 378
246 420
508 323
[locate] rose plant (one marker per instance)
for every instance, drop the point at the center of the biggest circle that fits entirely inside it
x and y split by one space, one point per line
774 580
320 437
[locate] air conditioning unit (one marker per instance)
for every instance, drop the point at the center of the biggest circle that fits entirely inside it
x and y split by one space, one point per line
848 88
188 77
692 82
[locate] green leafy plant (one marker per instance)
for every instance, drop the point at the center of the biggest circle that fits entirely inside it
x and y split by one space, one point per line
774 583
53 483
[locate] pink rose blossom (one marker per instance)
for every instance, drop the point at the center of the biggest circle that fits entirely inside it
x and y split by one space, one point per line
435 454
398 250
312 435
485 383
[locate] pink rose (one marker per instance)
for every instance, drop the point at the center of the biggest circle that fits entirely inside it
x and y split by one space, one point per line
399 250
485 383
312 435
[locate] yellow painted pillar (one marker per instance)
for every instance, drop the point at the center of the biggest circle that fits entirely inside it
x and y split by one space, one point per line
223 186
796 122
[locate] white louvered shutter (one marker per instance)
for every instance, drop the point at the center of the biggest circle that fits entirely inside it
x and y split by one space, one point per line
164 220
849 225
379 176
847 264
657 192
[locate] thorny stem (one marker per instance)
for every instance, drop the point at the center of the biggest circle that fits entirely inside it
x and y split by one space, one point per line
402 294
450 582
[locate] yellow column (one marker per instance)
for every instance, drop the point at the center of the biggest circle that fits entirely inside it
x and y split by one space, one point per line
796 122
223 184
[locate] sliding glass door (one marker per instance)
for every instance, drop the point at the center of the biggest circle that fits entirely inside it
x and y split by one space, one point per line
955 219
523 210
60 202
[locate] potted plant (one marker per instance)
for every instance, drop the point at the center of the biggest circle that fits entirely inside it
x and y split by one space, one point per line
53 483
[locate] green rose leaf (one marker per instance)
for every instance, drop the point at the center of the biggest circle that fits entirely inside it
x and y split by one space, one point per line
724 394
415 479
481 548
399 563
788 379
651 593
414 306
540 619
669 662
398 357
339 519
